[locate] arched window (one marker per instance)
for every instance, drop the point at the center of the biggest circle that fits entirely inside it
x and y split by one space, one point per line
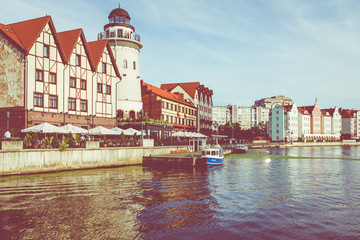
125 63
134 65
132 114
120 114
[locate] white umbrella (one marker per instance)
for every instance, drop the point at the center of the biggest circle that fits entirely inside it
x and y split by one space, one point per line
74 129
179 134
44 128
101 131
118 130
131 131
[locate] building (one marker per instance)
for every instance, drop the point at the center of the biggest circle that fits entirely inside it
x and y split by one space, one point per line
304 124
307 123
350 123
53 77
172 108
246 117
271 101
201 97
220 116
126 46
283 123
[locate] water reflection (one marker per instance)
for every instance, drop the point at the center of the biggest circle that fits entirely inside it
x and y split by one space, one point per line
313 197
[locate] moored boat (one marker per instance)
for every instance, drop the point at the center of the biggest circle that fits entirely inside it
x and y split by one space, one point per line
241 148
214 156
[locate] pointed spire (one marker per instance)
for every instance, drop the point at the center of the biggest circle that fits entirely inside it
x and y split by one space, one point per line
119 4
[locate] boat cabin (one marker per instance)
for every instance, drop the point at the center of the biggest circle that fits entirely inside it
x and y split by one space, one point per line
213 152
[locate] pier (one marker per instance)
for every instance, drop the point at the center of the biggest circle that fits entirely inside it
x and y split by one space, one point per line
178 160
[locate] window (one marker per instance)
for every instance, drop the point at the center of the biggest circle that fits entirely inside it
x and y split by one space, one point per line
167 105
83 84
72 104
46 51
73 82
38 99
125 63
277 131
78 60
104 67
52 78
108 89
39 75
53 101
99 88
120 33
132 114
117 19
83 105
134 65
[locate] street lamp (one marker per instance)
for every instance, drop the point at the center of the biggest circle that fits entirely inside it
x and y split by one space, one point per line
8 118
88 123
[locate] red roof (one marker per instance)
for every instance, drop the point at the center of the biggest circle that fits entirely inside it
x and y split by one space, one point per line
347 113
302 111
68 40
97 48
190 88
164 94
28 31
11 35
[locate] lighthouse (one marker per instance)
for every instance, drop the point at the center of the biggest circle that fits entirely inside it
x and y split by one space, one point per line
126 45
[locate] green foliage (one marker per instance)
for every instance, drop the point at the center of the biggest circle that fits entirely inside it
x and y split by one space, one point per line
28 139
55 142
62 145
48 141
15 132
34 139
135 139
70 139
122 138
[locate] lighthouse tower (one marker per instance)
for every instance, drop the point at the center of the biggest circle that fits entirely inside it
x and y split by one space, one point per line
125 44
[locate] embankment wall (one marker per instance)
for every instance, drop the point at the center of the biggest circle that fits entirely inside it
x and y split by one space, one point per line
49 160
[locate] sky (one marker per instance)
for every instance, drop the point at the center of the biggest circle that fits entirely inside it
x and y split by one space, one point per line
243 50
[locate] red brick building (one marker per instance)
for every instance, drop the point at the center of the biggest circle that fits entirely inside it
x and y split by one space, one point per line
169 107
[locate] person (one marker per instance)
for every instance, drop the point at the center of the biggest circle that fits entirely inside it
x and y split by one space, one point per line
7 135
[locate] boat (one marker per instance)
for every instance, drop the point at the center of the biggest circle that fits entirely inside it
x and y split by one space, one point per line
241 148
214 156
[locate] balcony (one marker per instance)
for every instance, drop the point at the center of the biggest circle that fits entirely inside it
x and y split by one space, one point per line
119 34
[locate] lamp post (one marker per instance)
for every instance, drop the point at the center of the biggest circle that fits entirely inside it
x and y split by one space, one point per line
88 123
8 118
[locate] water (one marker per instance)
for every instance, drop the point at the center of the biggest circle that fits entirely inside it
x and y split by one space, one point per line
313 194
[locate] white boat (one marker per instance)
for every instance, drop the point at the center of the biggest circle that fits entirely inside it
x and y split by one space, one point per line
241 148
214 156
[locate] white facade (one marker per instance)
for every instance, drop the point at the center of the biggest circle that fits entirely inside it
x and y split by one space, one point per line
125 44
292 123
245 117
326 120
220 116
304 124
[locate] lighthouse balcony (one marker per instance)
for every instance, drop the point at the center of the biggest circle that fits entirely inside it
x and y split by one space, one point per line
119 34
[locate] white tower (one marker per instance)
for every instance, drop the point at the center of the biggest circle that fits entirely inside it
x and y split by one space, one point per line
125 44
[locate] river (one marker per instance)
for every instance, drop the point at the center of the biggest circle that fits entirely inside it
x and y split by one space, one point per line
295 193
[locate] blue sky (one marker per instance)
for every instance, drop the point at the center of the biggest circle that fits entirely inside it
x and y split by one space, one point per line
244 50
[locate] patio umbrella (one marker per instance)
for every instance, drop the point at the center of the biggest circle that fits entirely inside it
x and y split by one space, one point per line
102 131
74 129
131 131
179 134
44 128
118 130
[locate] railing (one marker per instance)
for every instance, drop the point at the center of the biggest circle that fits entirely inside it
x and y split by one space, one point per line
120 34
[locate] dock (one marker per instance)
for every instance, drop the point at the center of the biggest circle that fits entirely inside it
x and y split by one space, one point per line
178 160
